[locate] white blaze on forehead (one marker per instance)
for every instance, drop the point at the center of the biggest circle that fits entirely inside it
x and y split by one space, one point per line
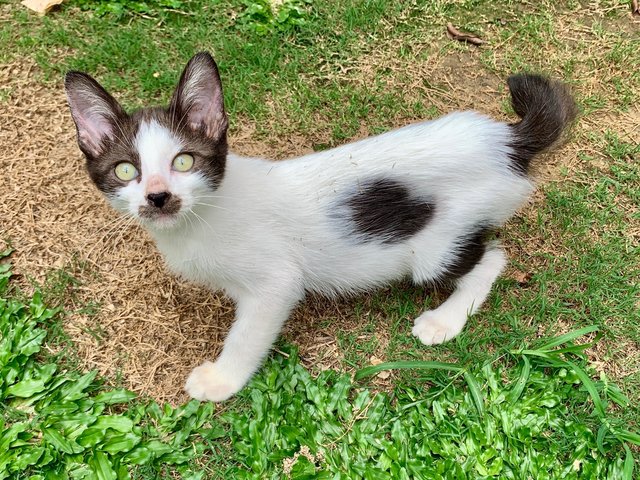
157 147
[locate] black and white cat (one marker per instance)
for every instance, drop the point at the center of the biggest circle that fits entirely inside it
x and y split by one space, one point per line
416 202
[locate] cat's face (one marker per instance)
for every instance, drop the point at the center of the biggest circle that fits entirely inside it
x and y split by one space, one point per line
156 165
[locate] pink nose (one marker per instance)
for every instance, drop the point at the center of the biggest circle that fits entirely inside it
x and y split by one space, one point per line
156 184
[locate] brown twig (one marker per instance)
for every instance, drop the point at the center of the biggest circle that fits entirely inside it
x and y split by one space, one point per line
456 34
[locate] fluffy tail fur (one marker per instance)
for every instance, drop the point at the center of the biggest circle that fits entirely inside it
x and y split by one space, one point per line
546 108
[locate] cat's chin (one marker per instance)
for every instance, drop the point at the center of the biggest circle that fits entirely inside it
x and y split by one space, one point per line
161 222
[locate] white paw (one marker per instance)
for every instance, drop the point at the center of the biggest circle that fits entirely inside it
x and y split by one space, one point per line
434 327
209 382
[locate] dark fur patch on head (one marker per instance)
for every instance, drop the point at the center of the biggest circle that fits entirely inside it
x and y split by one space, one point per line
209 155
546 108
386 211
116 150
196 116
469 251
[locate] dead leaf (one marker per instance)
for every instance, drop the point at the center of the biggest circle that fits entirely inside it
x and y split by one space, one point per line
41 6
522 278
374 360
456 34
383 374
635 8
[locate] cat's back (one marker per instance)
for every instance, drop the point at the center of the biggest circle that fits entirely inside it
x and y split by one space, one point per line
467 141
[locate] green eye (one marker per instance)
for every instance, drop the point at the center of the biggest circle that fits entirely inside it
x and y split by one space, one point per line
126 171
183 162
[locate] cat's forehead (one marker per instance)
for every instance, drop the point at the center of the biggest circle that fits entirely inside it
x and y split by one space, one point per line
150 139
155 142
159 131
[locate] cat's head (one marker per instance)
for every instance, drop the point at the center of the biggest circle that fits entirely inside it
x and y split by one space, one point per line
154 164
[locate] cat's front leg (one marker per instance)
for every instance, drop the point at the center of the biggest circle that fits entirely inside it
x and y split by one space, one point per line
259 319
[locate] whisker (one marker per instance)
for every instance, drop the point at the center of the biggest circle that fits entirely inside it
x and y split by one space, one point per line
114 221
122 223
119 221
124 139
203 220
210 205
212 196
188 218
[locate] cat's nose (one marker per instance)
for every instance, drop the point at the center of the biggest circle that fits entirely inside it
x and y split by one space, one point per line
158 199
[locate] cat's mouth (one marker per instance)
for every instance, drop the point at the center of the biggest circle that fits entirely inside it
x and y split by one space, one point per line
165 216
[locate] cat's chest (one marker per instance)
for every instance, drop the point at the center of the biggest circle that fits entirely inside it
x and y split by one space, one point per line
193 260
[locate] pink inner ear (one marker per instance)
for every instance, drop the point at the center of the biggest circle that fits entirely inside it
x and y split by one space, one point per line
207 111
207 116
199 95
92 130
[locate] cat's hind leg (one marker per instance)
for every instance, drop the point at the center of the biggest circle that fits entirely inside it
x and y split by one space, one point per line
471 290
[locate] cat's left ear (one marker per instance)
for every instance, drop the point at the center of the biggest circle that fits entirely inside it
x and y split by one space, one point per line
198 97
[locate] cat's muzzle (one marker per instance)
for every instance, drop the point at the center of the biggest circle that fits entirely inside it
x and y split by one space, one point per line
161 210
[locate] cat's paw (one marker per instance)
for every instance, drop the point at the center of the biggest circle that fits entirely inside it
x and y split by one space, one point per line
209 382
433 328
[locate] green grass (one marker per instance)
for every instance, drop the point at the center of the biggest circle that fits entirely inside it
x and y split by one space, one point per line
315 57
328 72
542 416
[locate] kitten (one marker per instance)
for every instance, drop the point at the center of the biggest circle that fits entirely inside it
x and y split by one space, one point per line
417 202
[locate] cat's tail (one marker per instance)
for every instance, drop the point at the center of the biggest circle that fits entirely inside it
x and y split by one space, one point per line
546 108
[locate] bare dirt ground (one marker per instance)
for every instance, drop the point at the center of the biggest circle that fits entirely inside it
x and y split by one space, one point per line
152 328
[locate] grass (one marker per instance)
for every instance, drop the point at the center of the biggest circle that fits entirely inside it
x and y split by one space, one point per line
335 71
542 416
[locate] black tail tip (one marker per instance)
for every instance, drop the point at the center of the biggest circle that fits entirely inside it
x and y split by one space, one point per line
531 92
546 108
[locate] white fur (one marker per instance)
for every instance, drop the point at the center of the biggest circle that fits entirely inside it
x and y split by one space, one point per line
272 230
446 321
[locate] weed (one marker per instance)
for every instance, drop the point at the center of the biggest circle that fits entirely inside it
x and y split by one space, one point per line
119 8
264 16
527 417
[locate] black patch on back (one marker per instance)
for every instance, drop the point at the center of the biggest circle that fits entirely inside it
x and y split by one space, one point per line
386 211
470 250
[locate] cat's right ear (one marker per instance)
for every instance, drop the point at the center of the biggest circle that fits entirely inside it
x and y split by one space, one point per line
95 112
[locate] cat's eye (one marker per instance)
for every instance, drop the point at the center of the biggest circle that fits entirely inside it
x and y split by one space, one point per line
125 171
183 162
